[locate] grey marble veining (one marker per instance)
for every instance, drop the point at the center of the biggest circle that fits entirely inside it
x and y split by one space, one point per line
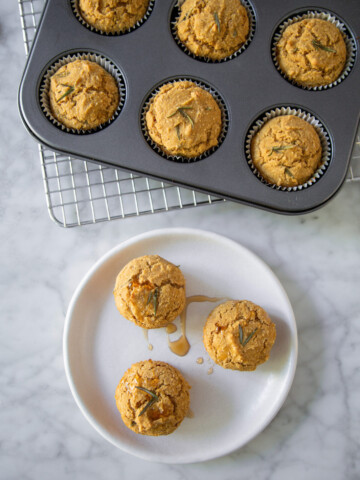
43 434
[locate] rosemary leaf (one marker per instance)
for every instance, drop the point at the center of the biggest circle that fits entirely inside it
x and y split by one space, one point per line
217 21
187 116
280 148
70 90
241 334
154 398
177 128
288 172
249 337
319 45
153 297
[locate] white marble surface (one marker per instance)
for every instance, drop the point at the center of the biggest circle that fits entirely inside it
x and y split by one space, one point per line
43 434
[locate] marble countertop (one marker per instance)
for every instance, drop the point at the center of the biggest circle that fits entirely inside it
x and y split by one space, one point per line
43 434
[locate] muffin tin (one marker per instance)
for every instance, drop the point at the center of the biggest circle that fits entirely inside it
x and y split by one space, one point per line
249 85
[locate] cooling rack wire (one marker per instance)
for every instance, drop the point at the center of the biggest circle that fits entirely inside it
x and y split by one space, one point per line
80 192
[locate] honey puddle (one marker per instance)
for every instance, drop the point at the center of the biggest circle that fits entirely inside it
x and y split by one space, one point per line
146 335
181 346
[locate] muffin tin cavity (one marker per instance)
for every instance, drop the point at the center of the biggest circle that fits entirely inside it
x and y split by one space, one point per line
77 13
105 63
175 14
224 120
320 130
322 15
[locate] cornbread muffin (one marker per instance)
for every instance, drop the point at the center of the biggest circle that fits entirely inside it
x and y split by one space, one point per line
152 398
213 29
150 291
184 119
239 335
286 151
312 52
113 16
83 95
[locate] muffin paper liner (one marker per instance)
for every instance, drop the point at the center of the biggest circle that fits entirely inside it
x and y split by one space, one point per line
320 130
252 25
349 41
76 10
93 57
179 158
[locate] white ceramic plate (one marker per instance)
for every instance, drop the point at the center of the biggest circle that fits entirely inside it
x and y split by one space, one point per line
229 407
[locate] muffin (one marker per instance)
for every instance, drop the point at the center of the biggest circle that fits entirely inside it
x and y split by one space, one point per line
112 16
286 151
213 29
152 398
150 291
83 95
239 335
184 119
311 52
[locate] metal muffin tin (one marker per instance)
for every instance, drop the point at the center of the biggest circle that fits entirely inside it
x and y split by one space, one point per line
249 85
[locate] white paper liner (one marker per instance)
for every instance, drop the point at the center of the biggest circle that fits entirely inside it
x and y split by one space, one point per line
349 41
93 57
179 158
76 10
251 15
320 130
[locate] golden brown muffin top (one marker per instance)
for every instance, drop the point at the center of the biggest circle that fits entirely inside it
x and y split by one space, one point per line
286 150
150 291
213 29
113 16
239 335
152 398
184 119
83 95
312 52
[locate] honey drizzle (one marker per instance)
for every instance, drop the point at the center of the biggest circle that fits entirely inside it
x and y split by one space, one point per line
181 346
146 335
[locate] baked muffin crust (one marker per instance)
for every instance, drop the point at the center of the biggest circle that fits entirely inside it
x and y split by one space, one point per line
153 398
184 119
150 291
312 52
239 335
286 150
113 16
83 95
213 29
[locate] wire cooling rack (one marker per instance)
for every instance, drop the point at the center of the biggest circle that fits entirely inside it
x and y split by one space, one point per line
80 192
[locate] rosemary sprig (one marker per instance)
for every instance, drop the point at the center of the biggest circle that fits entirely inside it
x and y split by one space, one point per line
241 336
68 91
153 296
182 111
217 21
154 398
280 148
319 45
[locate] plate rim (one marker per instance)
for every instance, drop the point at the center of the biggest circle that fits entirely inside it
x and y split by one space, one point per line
185 231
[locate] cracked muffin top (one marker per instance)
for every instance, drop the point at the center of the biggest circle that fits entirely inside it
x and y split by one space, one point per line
213 29
312 52
184 119
153 398
286 150
150 291
113 16
83 95
239 335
